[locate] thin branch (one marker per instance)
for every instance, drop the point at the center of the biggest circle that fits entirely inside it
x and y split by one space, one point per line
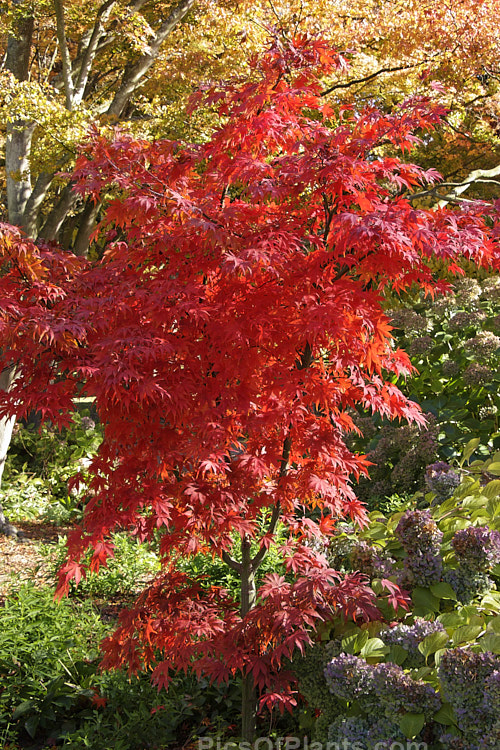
233 564
91 50
367 78
452 196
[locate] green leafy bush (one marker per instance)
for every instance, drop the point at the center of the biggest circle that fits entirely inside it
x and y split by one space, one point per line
51 689
39 466
48 662
126 573
454 342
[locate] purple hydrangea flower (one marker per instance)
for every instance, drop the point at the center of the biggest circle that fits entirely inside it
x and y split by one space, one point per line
422 569
467 583
351 678
418 532
477 547
441 479
409 636
464 676
476 374
399 693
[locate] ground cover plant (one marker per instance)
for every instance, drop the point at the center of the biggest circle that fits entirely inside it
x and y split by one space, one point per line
432 674
227 333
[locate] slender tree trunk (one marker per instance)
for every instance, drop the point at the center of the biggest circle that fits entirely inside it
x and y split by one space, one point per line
6 426
248 597
18 178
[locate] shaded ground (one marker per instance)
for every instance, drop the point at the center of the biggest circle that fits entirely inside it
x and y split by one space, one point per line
21 560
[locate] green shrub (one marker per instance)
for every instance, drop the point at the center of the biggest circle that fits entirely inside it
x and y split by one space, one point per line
126 573
39 466
52 689
48 662
454 342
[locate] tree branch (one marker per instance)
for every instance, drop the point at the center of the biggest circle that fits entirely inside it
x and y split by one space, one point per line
452 196
234 564
66 60
91 50
369 77
134 74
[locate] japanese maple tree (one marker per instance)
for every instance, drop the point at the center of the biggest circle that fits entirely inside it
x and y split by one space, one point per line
233 324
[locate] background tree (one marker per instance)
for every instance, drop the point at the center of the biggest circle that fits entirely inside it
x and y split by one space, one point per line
231 325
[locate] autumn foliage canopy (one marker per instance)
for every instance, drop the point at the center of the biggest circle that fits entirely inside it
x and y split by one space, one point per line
232 326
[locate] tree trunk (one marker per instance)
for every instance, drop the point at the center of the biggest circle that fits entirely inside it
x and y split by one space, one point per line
248 597
6 426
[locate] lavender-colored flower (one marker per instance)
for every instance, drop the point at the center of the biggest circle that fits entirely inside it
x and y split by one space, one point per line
350 678
492 692
450 368
367 733
87 423
420 346
463 675
478 547
418 532
422 569
399 693
452 742
483 346
441 479
467 583
467 290
408 320
491 288
476 374
409 636
462 319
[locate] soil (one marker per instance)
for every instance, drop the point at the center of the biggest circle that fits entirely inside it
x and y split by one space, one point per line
21 559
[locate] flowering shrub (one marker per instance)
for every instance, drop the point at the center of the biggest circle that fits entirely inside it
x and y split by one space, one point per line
434 675
457 354
454 342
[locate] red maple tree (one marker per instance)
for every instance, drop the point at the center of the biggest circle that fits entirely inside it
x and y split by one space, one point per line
228 332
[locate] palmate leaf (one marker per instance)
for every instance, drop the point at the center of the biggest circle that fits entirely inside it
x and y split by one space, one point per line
230 327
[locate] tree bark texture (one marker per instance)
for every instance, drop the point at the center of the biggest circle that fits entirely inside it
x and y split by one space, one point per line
248 597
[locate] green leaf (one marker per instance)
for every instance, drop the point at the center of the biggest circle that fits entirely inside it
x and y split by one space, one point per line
438 654
432 643
31 725
466 634
443 591
452 619
352 644
411 724
494 625
397 654
492 491
491 602
469 449
22 709
446 715
491 642
494 468
374 648
425 600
